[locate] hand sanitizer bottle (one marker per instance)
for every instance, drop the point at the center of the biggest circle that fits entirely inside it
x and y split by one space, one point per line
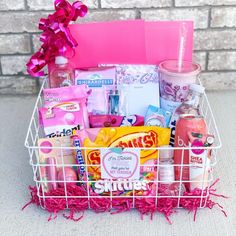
62 74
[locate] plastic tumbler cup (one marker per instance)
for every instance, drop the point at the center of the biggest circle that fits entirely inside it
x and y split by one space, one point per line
175 81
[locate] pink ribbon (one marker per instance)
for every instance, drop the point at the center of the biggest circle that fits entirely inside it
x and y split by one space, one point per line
56 37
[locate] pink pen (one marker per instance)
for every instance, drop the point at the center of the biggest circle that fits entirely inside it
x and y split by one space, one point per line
51 171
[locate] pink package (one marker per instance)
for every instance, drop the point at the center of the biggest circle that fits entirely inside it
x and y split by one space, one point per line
56 95
98 121
65 111
101 81
63 118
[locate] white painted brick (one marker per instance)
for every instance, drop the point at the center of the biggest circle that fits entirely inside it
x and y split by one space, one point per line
200 58
48 4
224 16
188 3
108 15
219 80
14 65
20 21
199 16
10 44
36 42
17 85
135 3
6 5
222 61
215 39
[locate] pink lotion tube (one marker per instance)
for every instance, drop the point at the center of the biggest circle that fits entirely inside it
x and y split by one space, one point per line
51 172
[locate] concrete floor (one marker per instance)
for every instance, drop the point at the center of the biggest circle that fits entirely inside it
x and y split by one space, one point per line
16 175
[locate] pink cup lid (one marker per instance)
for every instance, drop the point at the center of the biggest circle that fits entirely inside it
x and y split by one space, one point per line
188 68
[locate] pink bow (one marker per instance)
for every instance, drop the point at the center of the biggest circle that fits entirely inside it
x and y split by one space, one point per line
56 36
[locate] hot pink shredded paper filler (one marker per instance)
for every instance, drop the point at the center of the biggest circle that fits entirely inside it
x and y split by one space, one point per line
146 206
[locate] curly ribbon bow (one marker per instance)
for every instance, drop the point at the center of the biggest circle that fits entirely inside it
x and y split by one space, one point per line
56 36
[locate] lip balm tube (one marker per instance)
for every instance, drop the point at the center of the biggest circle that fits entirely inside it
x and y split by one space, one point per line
51 172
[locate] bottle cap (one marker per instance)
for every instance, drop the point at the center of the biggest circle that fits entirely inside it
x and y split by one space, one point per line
166 153
114 92
210 140
60 60
197 88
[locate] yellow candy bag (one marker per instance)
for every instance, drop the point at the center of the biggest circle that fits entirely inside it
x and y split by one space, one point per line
123 137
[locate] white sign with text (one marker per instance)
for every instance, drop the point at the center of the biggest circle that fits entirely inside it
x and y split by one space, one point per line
118 163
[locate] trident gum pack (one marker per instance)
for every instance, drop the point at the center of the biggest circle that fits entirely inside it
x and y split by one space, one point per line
64 111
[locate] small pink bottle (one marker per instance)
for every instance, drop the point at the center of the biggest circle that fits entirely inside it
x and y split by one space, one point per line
166 168
62 74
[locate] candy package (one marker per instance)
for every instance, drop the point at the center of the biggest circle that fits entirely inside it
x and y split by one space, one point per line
157 117
138 86
53 157
65 110
99 121
101 81
64 94
79 157
121 156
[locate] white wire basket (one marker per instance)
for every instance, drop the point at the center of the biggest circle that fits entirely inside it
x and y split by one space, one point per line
35 132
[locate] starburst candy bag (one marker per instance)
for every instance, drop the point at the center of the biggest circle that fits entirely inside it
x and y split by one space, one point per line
126 155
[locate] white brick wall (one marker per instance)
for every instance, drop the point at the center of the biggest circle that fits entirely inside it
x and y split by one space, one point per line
12 5
222 61
223 17
215 34
135 3
204 2
199 16
200 57
36 5
13 44
106 15
215 39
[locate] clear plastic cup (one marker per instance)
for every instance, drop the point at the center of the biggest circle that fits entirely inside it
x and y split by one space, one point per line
174 82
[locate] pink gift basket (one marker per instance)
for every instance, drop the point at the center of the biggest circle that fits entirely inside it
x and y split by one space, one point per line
98 165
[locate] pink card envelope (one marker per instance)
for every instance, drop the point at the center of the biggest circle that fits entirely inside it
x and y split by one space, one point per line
110 42
129 42
163 39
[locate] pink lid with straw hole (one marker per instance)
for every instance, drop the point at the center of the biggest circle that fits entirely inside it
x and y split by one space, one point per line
171 67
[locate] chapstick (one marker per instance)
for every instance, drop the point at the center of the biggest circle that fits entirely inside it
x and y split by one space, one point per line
51 172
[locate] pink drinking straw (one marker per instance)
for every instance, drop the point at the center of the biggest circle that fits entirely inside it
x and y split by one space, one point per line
182 45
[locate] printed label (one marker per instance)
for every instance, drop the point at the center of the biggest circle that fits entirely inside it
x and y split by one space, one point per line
146 140
102 186
169 105
60 130
95 80
79 155
172 127
70 106
120 164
